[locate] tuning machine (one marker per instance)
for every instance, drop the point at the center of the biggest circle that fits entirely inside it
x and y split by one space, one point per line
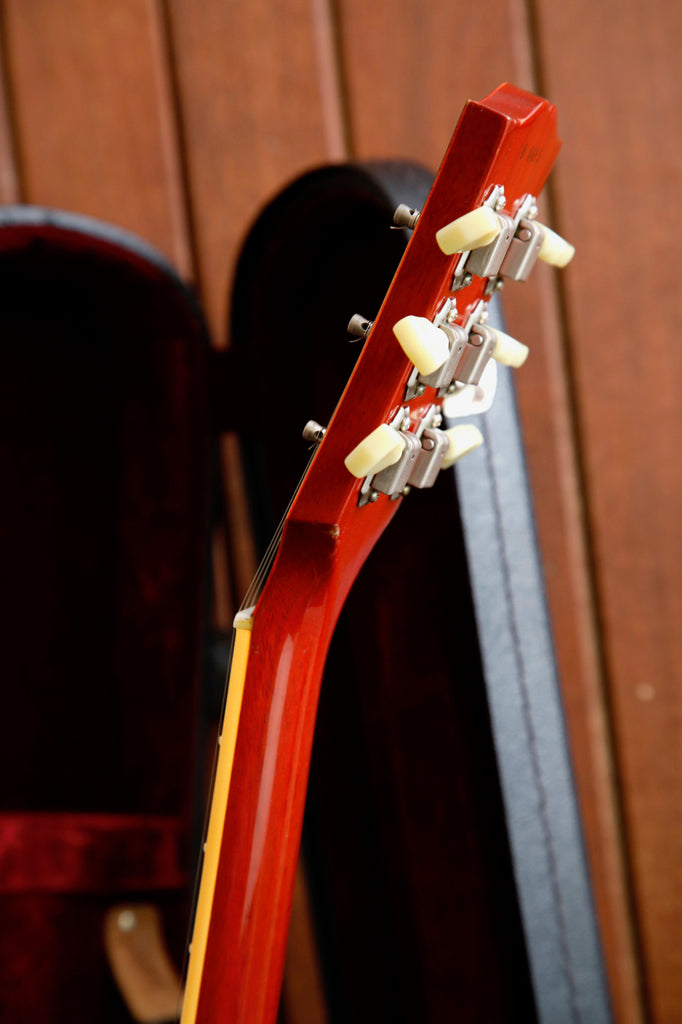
393 458
496 245
445 353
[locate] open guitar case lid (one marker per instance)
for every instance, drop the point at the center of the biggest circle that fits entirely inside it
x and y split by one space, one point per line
104 455
442 833
435 880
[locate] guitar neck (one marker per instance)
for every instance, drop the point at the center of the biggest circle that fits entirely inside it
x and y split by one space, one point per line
251 850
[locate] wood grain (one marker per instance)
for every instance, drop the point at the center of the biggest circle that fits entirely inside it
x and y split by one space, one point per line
178 118
254 115
10 189
617 195
94 129
404 86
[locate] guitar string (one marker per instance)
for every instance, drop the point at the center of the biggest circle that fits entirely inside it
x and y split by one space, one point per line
250 598
256 585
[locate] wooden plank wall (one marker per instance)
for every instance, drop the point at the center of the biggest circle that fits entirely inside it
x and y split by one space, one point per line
177 119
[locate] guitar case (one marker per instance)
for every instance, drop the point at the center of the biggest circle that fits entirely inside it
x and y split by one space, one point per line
442 840
442 836
105 452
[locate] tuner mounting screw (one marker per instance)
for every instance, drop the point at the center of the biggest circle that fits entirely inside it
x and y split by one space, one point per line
466 280
499 284
421 388
501 201
373 495
406 490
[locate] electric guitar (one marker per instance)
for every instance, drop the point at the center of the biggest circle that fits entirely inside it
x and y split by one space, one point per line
429 353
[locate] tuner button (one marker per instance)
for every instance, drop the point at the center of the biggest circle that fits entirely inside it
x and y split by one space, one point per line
472 231
405 216
379 450
508 350
555 249
423 343
359 326
463 439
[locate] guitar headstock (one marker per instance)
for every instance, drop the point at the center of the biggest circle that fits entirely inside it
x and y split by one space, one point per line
430 342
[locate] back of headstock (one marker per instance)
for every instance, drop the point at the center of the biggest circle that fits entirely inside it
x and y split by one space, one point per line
429 342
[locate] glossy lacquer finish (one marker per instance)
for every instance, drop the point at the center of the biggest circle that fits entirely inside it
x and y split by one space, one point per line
508 139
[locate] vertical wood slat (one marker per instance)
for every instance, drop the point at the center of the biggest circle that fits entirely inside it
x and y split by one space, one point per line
409 69
618 194
10 187
254 116
403 98
91 105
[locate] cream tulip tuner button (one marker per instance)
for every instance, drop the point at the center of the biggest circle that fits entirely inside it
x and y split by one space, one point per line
463 439
472 231
423 343
554 249
379 450
508 350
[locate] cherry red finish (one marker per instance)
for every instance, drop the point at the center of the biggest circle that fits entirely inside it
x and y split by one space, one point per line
509 139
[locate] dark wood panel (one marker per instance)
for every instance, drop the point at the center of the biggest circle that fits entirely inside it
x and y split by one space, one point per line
258 102
618 196
95 127
91 95
9 178
409 69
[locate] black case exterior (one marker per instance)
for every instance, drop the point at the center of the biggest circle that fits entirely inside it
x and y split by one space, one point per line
532 755
442 838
